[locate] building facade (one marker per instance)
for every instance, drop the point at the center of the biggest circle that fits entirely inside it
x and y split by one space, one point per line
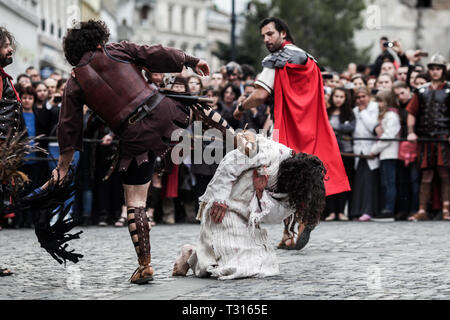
418 24
21 18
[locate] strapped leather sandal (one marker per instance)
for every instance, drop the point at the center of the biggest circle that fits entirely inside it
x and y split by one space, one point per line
144 273
140 224
419 216
121 222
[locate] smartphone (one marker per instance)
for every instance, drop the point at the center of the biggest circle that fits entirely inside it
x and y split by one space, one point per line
423 54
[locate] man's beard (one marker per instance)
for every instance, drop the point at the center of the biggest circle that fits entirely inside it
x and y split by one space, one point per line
275 47
4 61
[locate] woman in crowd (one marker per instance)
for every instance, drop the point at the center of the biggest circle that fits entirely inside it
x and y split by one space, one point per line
371 83
389 124
412 79
35 121
342 119
421 79
385 81
214 94
227 103
365 183
358 81
195 86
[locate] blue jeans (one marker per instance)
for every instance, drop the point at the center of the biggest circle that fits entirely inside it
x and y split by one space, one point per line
388 176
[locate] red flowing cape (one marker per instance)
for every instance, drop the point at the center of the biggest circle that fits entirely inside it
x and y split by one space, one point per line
302 121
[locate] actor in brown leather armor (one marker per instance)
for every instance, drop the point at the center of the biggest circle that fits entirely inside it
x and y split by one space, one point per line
107 78
429 118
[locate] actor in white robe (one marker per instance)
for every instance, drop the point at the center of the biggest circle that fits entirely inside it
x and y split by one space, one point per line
238 246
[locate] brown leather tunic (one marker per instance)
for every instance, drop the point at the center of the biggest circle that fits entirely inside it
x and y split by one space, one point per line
110 99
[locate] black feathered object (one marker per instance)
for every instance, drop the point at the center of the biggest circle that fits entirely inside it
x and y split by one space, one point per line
49 202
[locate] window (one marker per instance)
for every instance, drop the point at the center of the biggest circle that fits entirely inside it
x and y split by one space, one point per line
424 4
144 13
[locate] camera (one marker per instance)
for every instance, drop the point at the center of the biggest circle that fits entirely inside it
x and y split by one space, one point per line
327 76
57 99
388 44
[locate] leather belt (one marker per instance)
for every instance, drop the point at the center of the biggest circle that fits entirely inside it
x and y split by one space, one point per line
145 109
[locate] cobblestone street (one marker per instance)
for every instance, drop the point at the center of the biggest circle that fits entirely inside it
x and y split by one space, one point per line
343 260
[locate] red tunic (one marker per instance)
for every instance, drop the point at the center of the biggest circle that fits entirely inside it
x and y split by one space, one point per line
430 154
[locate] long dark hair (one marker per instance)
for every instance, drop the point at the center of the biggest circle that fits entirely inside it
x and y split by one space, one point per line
346 109
280 25
84 37
302 178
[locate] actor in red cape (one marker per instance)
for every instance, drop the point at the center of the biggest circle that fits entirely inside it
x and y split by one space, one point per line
302 123
292 77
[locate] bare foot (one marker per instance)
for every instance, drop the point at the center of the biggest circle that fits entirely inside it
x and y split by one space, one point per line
181 267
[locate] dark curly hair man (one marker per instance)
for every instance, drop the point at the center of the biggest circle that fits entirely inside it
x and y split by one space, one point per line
107 77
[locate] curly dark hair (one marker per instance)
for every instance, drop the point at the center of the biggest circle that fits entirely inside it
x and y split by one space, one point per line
84 37
5 34
302 178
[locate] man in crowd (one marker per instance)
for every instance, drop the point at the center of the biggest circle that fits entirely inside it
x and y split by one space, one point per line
217 80
429 118
34 74
234 74
402 73
299 110
385 55
11 121
389 68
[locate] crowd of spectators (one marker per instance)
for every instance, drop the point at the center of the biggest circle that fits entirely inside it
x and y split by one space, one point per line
366 102
367 109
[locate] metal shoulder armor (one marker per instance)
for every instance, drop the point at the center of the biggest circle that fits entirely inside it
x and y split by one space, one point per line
286 55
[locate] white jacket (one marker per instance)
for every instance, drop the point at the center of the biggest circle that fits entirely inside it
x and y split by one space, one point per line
366 120
391 127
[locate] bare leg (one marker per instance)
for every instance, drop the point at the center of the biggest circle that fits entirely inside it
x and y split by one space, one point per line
181 266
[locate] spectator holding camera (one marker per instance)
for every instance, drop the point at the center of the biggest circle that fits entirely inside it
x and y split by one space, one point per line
385 55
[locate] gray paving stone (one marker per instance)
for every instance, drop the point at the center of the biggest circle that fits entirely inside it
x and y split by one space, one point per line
342 261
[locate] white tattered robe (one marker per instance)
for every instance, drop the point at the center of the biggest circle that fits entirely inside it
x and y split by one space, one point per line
238 247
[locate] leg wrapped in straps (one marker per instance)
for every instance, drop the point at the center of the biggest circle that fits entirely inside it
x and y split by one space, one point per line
139 228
